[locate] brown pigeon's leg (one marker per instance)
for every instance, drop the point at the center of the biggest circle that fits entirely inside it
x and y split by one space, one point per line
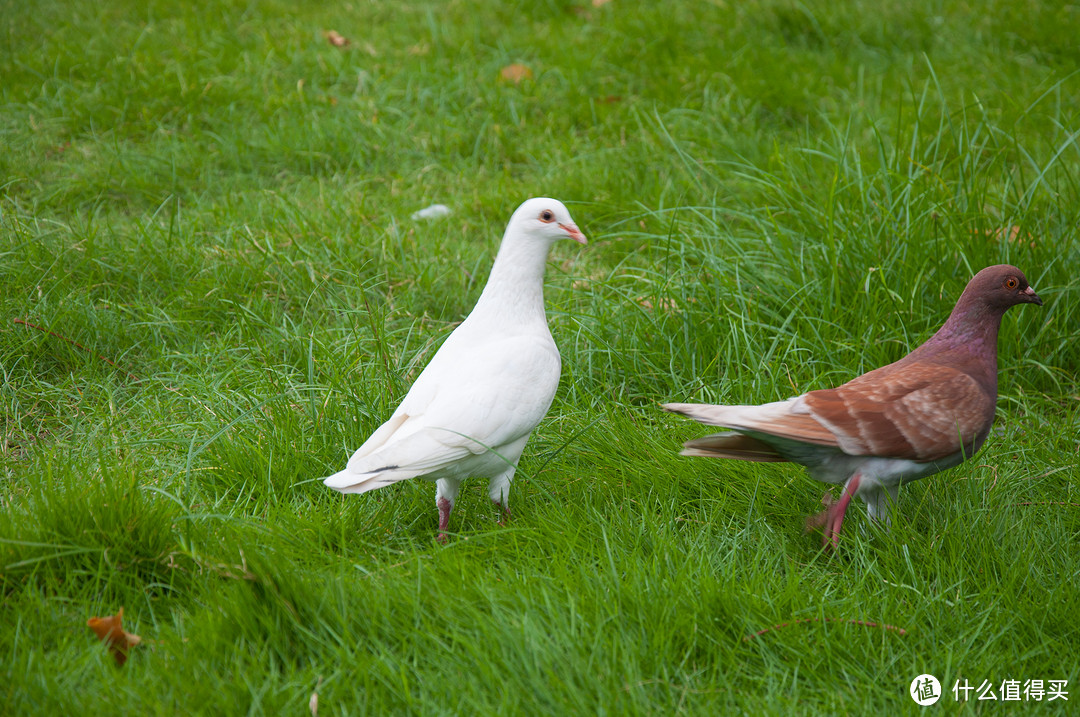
445 506
835 513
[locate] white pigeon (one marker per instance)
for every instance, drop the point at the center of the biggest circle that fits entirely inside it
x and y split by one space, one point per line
472 409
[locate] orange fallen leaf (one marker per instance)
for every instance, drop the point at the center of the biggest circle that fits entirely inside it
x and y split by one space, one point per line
516 73
110 630
336 39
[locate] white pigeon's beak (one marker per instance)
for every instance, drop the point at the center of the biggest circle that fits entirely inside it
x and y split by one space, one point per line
574 233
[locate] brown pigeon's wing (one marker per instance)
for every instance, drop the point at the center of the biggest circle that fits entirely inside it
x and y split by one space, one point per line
732 445
918 411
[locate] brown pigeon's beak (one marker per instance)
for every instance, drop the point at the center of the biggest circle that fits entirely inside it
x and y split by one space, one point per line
1032 296
574 233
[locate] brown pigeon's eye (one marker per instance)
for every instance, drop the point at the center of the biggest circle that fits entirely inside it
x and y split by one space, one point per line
1011 283
547 216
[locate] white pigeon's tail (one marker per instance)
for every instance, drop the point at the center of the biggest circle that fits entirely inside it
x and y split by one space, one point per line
374 466
349 481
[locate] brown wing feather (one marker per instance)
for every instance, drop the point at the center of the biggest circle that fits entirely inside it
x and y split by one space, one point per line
732 445
798 428
918 411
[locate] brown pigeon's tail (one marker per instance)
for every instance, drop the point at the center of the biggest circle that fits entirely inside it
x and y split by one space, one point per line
732 445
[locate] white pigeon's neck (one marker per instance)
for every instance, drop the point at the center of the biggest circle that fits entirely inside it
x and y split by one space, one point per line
515 288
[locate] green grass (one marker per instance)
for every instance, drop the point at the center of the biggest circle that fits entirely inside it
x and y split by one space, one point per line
779 196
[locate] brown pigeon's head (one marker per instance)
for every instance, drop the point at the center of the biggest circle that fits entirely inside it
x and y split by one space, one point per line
1000 287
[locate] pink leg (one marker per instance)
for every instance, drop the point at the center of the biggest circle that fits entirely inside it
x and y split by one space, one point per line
835 513
445 506
505 512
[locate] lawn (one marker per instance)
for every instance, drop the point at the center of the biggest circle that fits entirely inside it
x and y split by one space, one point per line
212 291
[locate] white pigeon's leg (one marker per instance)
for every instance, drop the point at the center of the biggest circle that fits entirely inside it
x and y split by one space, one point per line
445 494
499 491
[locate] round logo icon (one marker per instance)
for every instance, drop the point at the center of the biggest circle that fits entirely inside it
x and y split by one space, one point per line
925 690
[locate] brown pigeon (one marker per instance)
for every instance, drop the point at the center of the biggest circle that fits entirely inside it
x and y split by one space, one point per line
929 411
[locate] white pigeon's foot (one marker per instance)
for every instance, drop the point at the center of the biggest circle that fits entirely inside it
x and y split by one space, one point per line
505 513
445 506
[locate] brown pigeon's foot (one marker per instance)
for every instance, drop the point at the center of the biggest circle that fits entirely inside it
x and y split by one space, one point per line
505 513
818 520
832 518
445 507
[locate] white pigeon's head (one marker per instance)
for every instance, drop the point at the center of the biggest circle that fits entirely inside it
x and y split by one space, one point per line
544 218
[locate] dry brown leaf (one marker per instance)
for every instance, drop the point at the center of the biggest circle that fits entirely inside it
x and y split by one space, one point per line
664 303
516 73
110 630
1013 234
336 39
60 149
600 3
1010 234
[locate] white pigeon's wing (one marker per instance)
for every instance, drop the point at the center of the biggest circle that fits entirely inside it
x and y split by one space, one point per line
494 393
414 455
485 398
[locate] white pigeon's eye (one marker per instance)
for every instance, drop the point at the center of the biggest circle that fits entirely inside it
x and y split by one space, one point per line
547 216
